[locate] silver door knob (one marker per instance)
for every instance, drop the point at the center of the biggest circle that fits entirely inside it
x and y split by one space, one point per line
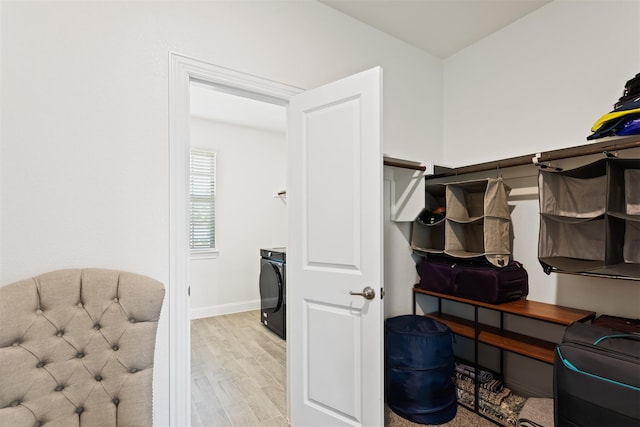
367 292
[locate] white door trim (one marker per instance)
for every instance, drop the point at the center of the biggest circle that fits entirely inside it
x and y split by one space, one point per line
182 70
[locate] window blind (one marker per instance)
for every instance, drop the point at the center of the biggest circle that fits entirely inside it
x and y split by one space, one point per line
202 191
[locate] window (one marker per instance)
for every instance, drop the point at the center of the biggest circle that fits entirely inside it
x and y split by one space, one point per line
202 192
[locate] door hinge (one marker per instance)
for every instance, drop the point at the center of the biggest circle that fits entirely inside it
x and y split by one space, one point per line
189 290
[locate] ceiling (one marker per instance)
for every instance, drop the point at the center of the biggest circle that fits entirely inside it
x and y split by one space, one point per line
208 102
439 27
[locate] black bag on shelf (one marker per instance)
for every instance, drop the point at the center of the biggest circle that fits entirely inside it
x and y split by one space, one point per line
597 378
624 119
630 93
622 324
475 279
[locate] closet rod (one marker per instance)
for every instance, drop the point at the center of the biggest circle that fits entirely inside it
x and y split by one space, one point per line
614 144
404 164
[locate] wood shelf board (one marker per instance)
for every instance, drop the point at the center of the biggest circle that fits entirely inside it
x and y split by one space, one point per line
532 309
458 326
548 312
511 341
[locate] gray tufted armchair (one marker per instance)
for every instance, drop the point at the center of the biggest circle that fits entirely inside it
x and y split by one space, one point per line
77 348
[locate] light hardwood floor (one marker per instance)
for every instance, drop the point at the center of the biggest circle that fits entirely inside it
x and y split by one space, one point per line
238 376
238 372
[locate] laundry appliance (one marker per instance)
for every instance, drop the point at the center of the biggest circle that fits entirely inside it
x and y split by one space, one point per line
273 290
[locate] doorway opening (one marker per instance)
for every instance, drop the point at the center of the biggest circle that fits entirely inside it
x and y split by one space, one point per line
238 367
183 72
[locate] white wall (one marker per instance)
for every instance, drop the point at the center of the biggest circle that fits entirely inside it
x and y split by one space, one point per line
84 114
539 84
251 168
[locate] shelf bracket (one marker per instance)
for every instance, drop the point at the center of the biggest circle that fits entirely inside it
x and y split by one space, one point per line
535 159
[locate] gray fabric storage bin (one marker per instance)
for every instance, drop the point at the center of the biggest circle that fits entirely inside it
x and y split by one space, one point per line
572 245
478 221
429 237
631 248
632 192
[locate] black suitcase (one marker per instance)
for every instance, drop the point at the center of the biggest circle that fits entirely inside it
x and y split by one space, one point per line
597 378
474 279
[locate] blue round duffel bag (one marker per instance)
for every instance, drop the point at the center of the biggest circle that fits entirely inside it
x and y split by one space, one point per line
420 369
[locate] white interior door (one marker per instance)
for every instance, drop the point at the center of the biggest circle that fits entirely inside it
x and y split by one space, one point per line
335 339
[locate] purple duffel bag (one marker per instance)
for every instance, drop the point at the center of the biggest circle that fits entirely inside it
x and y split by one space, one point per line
474 279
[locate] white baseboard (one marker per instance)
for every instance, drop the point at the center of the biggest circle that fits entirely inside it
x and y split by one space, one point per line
219 310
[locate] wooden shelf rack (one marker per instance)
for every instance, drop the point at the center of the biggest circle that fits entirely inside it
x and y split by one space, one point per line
499 337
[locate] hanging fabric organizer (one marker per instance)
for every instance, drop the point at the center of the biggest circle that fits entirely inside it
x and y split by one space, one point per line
590 219
477 221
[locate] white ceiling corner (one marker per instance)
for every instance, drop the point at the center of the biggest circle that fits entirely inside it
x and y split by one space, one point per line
439 27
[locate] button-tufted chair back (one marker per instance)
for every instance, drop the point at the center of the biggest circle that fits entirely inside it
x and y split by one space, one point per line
77 347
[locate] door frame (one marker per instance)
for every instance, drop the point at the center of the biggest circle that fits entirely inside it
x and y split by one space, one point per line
182 70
